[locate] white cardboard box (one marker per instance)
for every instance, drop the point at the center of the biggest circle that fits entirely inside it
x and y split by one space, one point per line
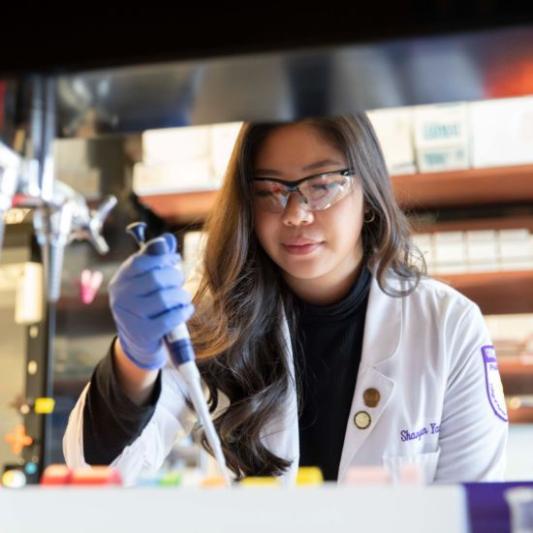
516 252
450 252
184 159
394 129
424 242
482 251
441 137
185 176
176 144
501 132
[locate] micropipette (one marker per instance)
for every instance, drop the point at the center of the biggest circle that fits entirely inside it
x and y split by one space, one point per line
181 352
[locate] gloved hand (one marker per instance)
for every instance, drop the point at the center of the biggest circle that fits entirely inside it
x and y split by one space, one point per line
147 301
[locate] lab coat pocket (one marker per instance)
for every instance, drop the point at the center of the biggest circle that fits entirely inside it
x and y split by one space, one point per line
426 463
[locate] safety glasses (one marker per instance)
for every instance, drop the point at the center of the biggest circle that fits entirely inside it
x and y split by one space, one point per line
316 192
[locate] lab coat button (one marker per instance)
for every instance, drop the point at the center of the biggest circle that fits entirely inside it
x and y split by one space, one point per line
362 419
371 397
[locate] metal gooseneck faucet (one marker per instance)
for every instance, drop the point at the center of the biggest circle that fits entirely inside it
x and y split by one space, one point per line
27 180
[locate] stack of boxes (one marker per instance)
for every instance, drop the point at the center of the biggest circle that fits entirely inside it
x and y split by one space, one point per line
184 159
457 252
434 138
429 138
459 136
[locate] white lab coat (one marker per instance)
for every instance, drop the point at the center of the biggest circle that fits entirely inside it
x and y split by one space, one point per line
440 403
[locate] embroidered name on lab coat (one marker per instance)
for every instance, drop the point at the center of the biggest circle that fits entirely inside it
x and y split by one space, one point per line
407 435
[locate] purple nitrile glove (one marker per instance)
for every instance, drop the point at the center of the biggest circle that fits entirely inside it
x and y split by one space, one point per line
148 301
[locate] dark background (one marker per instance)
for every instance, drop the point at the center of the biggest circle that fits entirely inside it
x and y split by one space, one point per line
85 35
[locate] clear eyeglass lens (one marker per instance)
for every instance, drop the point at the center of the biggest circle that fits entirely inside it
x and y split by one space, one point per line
317 193
323 190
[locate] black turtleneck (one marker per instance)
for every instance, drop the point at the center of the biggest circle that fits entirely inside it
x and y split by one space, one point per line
327 347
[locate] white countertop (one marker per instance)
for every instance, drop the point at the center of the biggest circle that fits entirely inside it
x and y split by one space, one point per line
326 509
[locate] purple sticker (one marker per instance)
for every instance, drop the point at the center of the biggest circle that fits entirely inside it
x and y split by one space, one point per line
493 382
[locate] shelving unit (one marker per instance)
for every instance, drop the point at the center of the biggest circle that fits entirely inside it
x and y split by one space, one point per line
495 292
498 185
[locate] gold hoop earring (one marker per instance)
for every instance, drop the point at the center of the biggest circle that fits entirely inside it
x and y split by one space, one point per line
372 217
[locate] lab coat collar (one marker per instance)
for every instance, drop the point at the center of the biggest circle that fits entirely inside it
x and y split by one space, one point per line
281 435
383 323
381 339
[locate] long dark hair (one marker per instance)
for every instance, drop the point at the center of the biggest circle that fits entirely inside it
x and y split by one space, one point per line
241 301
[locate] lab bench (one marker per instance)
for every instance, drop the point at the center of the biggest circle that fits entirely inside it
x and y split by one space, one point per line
469 508
258 509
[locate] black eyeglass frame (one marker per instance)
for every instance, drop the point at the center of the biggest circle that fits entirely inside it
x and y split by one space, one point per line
292 186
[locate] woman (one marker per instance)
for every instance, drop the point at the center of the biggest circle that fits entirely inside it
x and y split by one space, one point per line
319 337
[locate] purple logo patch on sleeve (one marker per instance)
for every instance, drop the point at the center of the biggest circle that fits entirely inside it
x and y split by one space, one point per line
493 382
